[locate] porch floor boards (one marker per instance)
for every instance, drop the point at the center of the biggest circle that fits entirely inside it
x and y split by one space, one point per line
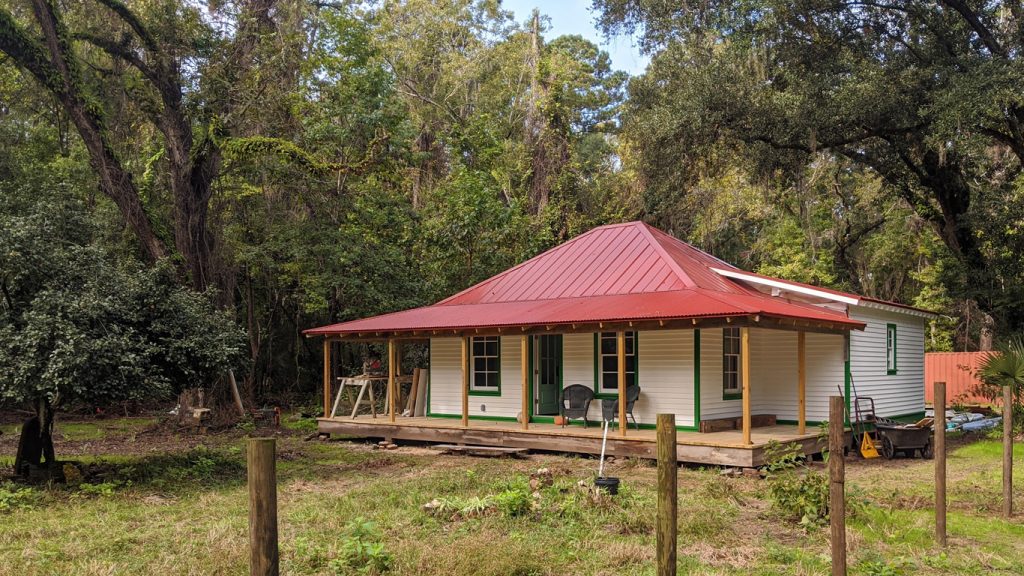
724 448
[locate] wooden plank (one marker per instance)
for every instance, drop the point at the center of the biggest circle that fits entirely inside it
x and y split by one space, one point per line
481 450
837 483
939 404
745 377
668 500
801 381
327 377
410 406
524 368
262 477
621 349
465 382
392 391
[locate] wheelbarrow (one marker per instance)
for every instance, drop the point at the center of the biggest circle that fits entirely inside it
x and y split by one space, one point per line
896 437
889 436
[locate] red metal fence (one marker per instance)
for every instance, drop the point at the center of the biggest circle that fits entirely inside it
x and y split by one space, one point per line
958 370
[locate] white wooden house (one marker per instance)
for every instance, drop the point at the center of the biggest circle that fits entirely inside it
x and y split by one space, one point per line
739 358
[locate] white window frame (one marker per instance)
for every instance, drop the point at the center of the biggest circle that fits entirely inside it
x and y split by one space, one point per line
491 374
732 364
631 358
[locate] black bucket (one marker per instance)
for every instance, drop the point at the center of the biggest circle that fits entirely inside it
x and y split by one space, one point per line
608 484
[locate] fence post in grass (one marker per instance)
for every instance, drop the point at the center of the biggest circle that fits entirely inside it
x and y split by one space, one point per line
1008 451
837 483
939 402
260 458
668 471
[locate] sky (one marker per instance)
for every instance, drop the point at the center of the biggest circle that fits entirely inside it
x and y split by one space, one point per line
575 17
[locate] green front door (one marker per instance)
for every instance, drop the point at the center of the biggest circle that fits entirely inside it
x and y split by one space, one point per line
549 373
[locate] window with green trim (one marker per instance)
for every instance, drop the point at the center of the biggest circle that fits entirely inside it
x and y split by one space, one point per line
890 348
608 361
731 364
485 364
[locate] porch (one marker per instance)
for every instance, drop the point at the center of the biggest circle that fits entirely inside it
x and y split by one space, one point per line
726 448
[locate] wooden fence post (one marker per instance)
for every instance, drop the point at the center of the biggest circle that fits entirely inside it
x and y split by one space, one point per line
939 402
263 558
668 471
837 483
1008 451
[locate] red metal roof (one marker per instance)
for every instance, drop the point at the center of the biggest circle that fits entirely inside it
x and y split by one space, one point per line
619 272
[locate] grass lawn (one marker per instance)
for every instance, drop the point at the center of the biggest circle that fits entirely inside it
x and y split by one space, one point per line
151 508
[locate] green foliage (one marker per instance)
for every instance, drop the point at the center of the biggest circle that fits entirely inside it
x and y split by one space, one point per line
1002 368
802 497
14 497
102 490
362 550
849 118
79 327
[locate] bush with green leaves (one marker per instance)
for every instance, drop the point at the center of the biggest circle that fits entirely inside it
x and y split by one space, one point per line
79 325
1002 368
362 550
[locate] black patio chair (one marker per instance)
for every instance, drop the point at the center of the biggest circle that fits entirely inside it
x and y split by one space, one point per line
610 406
574 402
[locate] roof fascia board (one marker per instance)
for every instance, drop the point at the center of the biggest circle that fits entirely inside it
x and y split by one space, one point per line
897 309
783 285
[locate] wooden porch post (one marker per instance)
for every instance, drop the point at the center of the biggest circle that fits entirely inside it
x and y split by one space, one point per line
525 369
745 377
621 349
391 379
465 382
801 381
327 377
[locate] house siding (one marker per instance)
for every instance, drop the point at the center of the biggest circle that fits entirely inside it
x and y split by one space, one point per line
446 380
773 374
665 372
896 394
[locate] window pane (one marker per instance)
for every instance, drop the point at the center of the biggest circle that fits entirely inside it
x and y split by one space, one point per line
492 365
630 342
630 363
609 364
479 380
608 345
610 381
479 365
478 347
492 348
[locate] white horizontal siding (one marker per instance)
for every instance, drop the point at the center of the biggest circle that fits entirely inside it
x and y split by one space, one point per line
894 394
712 405
665 369
446 380
826 373
773 374
666 374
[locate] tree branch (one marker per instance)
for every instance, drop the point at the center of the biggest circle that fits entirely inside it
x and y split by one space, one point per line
983 32
117 7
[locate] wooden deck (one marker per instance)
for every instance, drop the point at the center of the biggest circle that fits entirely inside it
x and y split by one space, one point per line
719 448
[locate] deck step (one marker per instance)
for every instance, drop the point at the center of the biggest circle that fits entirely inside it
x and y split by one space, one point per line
492 451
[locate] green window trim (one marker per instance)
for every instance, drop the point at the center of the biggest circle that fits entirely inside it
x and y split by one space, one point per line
891 368
490 390
597 363
696 378
738 395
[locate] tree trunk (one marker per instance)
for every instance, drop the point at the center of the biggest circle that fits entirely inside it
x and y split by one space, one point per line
35 445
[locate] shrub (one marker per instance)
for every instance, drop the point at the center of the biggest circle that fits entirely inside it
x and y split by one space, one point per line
14 497
362 550
802 497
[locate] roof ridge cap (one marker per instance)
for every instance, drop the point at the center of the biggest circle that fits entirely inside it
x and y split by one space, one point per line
665 256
